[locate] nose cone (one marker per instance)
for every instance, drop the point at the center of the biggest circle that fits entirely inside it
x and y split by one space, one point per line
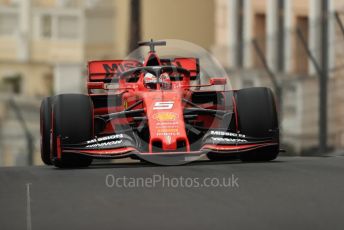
165 121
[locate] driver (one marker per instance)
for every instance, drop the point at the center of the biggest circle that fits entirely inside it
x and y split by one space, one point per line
165 81
150 81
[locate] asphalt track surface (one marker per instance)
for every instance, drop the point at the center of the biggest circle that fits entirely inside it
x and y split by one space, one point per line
289 193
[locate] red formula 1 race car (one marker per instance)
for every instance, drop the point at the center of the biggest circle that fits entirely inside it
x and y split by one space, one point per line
157 110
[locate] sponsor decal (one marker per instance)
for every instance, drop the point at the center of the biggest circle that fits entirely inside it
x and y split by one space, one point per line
168 132
119 67
111 137
168 123
165 116
229 140
97 145
172 130
228 134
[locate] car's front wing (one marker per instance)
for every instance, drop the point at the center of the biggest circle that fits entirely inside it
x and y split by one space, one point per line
122 146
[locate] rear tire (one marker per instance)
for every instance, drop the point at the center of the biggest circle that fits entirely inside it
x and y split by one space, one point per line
73 122
45 129
257 117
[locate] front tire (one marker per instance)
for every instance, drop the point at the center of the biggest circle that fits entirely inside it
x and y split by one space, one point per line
73 123
257 117
45 129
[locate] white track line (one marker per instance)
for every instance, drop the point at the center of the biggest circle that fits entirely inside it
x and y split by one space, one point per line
28 207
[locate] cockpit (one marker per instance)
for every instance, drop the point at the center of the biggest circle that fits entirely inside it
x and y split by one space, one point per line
156 77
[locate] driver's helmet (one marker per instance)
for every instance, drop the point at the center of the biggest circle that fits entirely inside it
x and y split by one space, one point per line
165 81
150 81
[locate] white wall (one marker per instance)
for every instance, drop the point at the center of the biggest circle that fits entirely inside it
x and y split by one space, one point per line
68 78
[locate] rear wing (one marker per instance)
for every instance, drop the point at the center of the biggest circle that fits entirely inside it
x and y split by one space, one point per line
109 70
